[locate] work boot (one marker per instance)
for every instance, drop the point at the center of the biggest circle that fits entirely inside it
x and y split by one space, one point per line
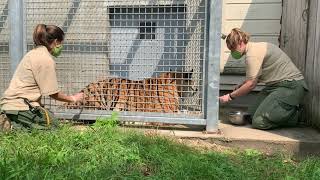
5 123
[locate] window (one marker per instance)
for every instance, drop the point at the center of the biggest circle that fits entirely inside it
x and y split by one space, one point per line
147 30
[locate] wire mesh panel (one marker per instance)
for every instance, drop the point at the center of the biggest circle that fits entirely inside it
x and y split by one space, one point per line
144 58
85 54
4 47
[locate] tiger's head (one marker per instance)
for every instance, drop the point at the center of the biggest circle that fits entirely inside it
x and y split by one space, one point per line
183 80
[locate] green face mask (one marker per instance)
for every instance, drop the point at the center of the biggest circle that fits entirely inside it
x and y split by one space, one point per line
56 51
236 54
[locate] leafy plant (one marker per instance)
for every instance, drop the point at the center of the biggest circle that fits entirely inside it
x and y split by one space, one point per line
107 122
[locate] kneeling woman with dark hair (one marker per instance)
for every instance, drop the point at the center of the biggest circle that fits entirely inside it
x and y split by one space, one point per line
35 77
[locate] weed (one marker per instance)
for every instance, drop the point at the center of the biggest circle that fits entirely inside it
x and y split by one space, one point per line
108 122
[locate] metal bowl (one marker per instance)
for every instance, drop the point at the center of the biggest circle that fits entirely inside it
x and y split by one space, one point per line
237 117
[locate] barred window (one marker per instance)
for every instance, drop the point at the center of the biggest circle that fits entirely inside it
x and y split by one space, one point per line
147 30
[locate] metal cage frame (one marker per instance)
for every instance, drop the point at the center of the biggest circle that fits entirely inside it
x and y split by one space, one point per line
18 47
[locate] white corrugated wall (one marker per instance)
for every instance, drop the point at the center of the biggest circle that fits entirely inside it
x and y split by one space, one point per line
260 18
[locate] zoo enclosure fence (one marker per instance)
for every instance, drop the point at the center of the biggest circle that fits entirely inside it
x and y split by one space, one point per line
125 40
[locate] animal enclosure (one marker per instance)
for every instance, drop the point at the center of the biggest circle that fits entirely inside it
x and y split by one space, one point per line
148 59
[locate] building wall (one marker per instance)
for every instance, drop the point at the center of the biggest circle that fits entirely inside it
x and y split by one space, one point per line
312 69
300 40
294 31
260 18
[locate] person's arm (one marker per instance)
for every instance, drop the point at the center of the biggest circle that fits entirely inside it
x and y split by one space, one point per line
65 98
255 56
245 88
238 86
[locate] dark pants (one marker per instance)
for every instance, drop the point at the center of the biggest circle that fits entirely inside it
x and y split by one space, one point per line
278 105
32 120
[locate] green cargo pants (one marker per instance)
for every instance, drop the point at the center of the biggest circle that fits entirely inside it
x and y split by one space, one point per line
278 105
31 120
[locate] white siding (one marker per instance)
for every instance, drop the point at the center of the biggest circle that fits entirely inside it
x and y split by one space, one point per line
260 18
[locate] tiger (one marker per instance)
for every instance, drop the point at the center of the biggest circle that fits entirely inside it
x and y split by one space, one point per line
158 94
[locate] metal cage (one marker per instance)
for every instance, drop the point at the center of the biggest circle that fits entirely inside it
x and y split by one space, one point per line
151 60
4 46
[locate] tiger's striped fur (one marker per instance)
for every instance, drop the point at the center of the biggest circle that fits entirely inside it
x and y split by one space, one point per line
160 94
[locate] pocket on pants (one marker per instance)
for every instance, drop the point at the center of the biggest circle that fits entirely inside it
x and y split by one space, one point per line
282 113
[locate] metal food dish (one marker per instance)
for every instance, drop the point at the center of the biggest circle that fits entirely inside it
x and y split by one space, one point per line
237 117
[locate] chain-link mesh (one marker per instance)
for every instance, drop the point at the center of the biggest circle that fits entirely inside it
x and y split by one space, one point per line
4 47
85 54
138 55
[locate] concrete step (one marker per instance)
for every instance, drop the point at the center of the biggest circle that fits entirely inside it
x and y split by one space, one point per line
300 141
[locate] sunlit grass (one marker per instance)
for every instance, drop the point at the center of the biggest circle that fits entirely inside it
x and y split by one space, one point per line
108 152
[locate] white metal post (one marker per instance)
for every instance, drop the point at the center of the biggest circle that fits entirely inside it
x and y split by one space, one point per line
213 64
16 29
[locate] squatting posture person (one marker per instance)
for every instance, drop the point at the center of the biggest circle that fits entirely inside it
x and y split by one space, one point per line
278 103
35 77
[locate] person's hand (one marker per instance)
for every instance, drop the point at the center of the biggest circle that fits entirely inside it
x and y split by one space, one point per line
225 98
77 97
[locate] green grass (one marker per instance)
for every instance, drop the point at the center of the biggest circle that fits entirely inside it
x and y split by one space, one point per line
107 152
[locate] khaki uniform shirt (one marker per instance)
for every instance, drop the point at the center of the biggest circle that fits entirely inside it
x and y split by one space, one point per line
34 77
269 64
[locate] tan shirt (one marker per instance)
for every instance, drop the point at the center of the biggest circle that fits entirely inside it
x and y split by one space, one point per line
34 77
269 64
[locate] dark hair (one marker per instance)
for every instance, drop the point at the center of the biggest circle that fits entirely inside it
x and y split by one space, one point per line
236 37
45 34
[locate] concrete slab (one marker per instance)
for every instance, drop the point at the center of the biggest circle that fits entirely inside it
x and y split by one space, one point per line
286 134
295 141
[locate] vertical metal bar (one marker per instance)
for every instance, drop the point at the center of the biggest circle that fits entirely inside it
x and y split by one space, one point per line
213 75
16 43
205 58
24 26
